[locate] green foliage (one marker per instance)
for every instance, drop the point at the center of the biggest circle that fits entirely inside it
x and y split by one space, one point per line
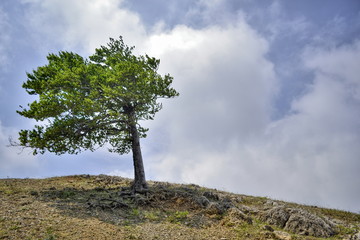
178 216
50 237
50 234
152 215
10 190
347 230
89 102
135 212
4 234
15 226
66 193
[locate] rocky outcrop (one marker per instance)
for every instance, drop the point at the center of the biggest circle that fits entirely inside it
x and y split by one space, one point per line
299 221
214 203
354 237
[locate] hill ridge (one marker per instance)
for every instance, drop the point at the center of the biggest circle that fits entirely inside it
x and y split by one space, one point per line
103 207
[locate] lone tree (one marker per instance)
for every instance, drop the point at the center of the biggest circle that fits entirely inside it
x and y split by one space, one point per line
90 102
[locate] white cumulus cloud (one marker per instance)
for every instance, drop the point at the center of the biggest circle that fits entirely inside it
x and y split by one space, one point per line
227 86
220 129
83 24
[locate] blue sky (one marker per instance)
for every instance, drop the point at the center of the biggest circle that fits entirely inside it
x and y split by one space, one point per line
270 91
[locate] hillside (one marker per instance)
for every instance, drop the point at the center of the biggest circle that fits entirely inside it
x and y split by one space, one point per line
102 207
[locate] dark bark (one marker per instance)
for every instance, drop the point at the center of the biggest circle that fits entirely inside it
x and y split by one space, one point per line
139 184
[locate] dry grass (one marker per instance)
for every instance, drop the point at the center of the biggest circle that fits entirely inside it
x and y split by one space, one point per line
88 207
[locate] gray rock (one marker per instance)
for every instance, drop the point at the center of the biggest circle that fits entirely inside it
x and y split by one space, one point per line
226 203
247 209
238 214
234 217
299 221
305 223
203 201
214 208
355 237
277 216
272 203
211 196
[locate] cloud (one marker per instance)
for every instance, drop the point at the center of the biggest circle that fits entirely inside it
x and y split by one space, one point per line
340 64
4 38
122 173
221 133
12 163
277 23
214 70
227 87
320 136
82 24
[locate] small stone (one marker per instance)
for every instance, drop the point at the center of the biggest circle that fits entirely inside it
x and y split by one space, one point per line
282 235
246 209
268 228
34 193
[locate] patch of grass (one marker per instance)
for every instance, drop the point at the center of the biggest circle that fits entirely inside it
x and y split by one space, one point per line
127 223
131 232
178 216
11 191
347 230
152 215
254 201
3 234
342 215
50 237
50 234
67 193
16 226
135 212
245 231
10 187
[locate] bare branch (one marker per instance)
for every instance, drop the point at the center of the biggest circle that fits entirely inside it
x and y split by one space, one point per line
13 143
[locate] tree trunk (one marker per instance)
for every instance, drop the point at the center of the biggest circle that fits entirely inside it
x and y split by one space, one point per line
139 184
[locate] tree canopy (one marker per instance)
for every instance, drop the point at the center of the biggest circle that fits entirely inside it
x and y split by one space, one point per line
85 103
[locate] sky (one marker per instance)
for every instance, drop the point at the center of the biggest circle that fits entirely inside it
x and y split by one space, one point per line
269 99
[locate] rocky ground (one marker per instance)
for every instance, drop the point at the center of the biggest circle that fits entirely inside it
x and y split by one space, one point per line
103 207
